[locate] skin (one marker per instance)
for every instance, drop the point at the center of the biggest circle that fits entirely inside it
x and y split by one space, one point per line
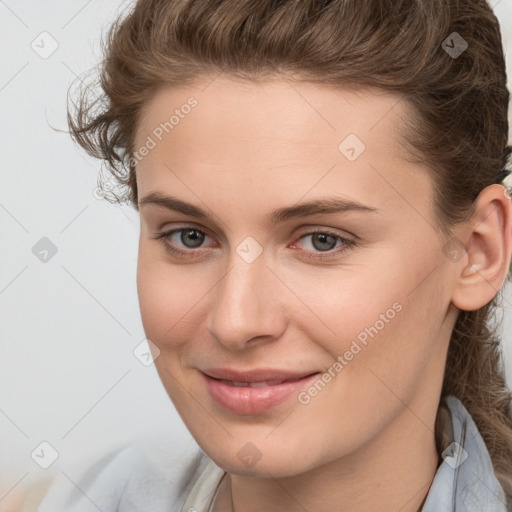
245 150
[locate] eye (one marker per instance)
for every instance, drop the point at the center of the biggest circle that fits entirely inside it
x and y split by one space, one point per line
322 242
190 237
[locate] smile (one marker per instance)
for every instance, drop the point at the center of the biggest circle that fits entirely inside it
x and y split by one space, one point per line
254 397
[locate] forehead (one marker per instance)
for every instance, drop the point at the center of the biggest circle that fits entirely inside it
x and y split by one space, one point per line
290 134
308 112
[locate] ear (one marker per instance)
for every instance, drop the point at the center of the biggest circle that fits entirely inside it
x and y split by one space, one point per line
488 246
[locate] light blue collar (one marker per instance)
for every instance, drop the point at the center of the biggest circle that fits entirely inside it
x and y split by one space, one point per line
465 480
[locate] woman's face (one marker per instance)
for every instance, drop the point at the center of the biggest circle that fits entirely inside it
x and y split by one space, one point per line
364 303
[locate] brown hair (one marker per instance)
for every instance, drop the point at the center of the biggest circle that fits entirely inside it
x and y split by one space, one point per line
458 123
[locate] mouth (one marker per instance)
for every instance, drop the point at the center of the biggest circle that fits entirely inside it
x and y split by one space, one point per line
254 392
271 376
260 384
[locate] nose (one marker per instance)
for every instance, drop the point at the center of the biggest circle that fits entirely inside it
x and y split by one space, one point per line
247 305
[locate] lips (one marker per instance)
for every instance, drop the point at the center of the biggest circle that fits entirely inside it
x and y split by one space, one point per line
268 375
257 384
254 391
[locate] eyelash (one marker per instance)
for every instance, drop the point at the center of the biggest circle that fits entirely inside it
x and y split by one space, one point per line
348 244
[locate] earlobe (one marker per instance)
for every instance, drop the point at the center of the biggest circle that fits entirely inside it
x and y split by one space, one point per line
482 272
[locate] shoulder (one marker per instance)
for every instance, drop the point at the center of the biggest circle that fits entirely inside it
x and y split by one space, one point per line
148 474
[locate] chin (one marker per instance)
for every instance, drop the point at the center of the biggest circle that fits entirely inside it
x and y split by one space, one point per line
263 459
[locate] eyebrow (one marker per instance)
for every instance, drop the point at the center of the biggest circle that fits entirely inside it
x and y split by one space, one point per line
317 207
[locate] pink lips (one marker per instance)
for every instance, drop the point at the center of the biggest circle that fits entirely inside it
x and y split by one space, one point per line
254 391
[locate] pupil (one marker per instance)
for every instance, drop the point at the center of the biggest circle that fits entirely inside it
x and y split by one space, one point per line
194 234
322 237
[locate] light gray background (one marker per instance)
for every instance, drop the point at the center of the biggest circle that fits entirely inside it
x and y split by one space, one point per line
69 326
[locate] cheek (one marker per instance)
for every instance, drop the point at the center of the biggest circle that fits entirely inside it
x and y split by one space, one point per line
341 307
167 296
372 325
379 356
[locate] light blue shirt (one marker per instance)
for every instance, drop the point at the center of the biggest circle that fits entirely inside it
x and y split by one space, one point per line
467 484
154 477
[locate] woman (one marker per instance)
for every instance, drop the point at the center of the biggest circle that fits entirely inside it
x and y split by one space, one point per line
324 240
